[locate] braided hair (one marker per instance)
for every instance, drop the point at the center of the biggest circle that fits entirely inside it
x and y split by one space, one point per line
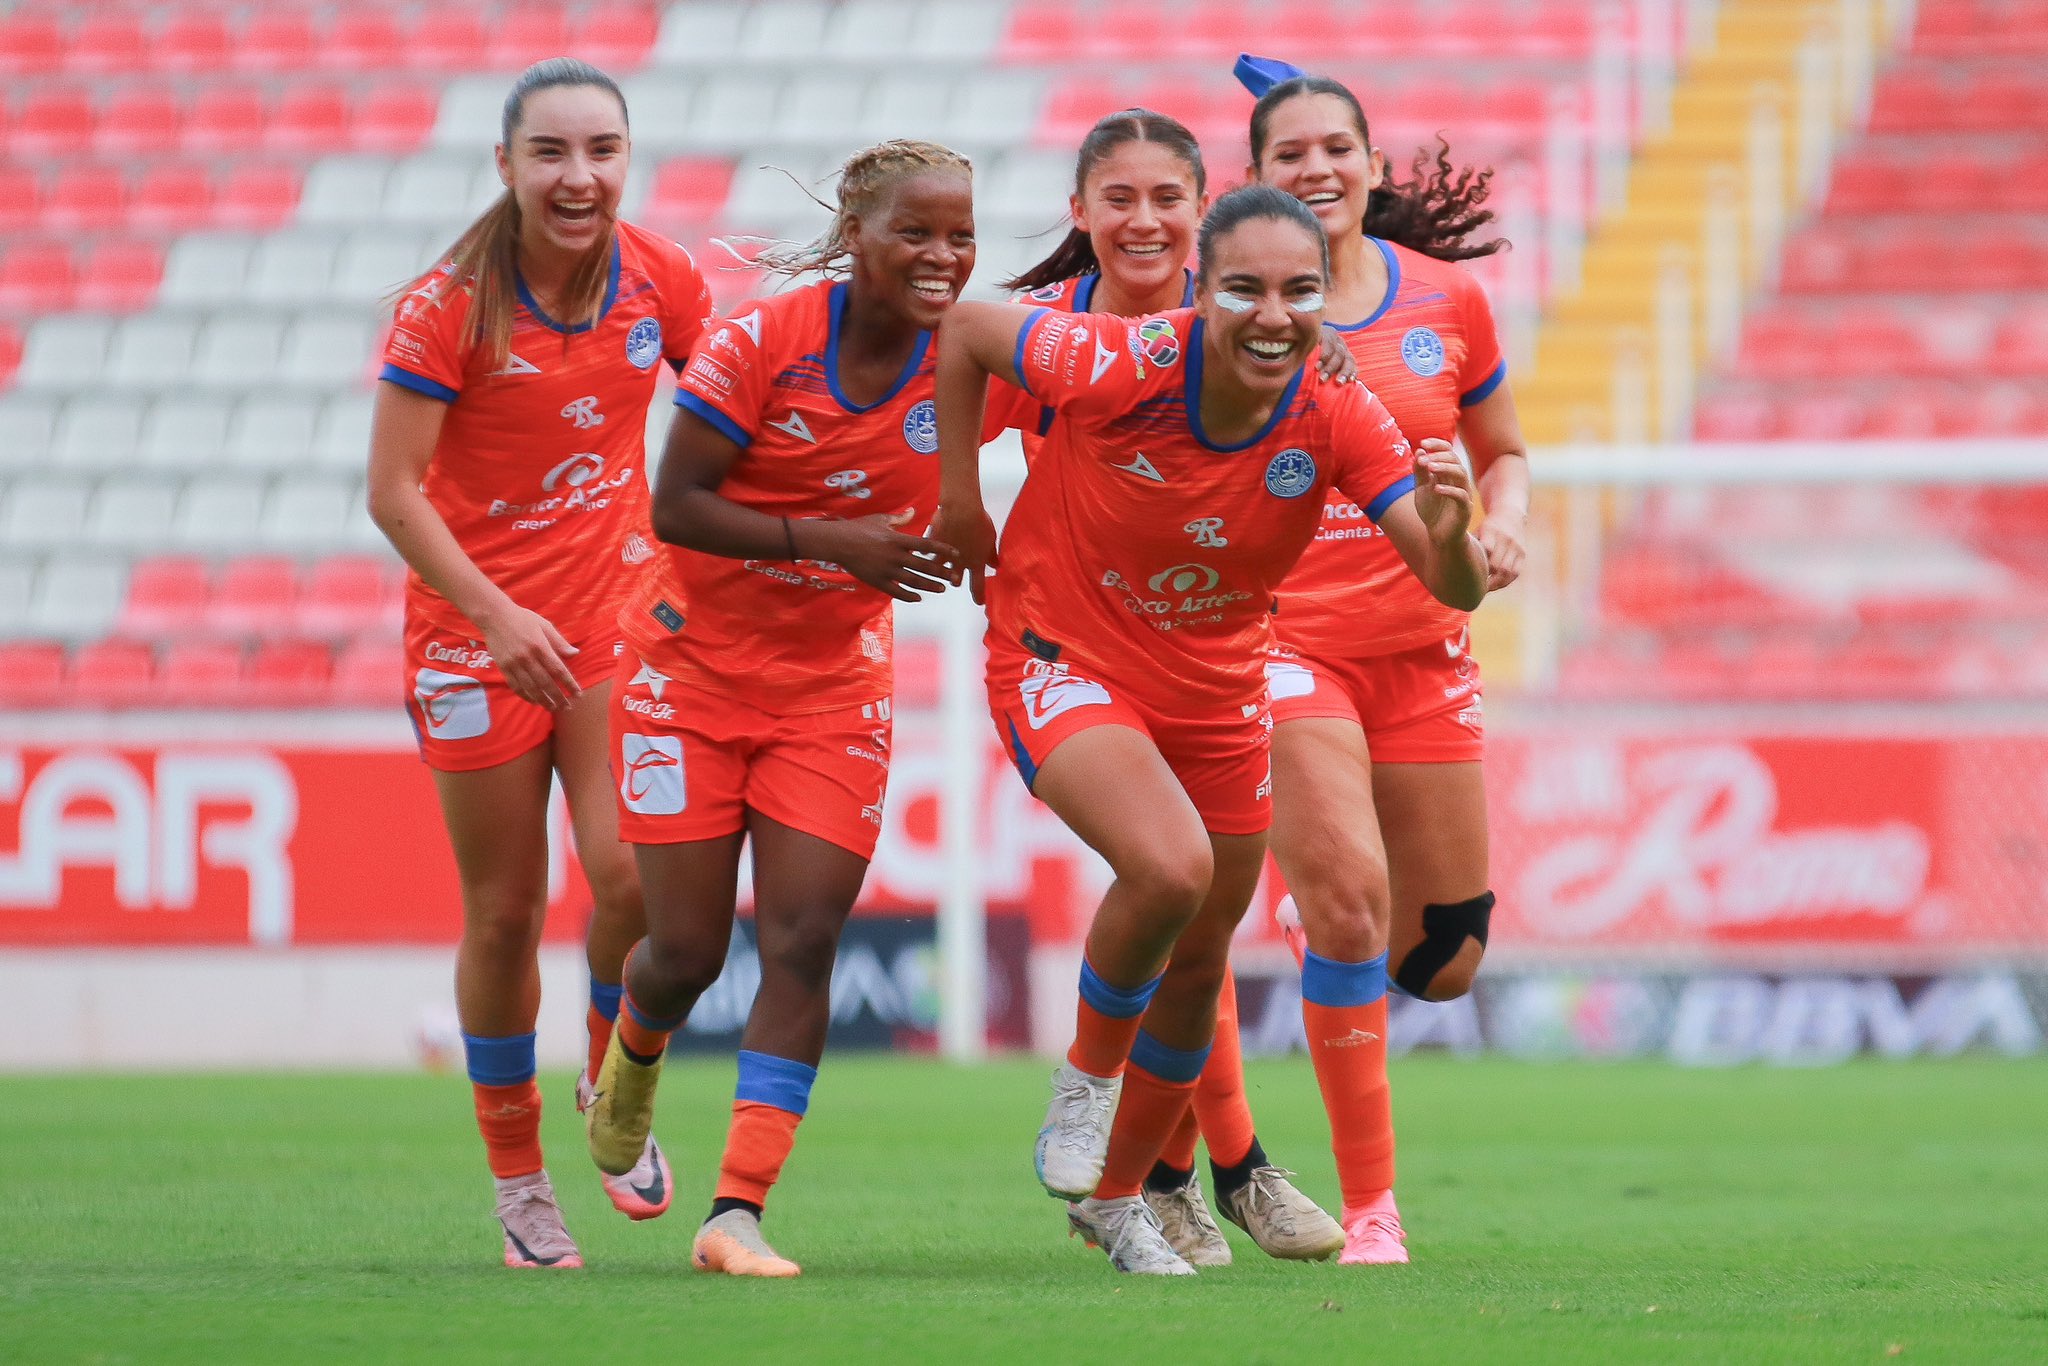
865 178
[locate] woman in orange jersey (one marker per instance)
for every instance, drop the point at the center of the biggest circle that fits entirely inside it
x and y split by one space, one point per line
753 700
506 467
1140 189
1379 803
1181 478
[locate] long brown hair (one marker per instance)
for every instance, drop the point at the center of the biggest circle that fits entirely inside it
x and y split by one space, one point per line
1075 255
485 258
1435 211
863 179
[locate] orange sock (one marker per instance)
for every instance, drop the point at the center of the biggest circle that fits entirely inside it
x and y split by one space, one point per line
1106 1023
1158 1086
756 1145
1344 1007
1221 1111
643 1034
1179 1152
509 1119
600 1030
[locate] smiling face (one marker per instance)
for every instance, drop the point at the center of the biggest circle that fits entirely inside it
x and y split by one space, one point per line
1140 208
566 168
913 252
1261 301
1316 151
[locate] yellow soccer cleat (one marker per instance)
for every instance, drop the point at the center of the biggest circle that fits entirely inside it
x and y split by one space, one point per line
621 1110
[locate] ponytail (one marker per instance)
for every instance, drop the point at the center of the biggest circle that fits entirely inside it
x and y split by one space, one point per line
1075 255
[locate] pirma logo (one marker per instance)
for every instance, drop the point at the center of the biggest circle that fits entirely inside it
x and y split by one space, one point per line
651 774
643 343
921 427
1423 350
1291 473
452 705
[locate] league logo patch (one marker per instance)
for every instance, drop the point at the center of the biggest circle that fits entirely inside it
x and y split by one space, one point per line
1291 473
921 427
651 780
1423 350
453 705
643 343
1047 294
1161 344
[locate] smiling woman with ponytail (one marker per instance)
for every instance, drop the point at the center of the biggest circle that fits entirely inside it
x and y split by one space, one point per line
506 467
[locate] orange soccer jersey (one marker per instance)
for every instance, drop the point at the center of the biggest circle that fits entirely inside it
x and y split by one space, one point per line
1143 553
807 636
1428 352
538 469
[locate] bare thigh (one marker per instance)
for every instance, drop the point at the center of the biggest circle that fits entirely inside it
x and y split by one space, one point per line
1326 836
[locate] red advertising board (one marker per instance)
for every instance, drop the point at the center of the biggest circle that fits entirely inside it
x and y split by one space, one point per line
1709 843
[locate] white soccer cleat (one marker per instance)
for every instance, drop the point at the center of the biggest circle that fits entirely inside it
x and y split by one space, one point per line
1128 1230
732 1245
1190 1229
1074 1143
534 1233
1281 1220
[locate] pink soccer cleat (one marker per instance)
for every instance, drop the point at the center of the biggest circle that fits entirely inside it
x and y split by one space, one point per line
1373 1234
1287 916
534 1235
646 1190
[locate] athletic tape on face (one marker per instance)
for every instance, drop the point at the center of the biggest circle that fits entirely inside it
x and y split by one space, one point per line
1237 303
1444 931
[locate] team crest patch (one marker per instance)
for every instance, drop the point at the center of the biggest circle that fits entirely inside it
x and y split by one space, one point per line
1423 350
1291 473
643 343
1159 341
921 427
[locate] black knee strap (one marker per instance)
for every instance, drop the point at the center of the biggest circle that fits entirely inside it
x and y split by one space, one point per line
1444 931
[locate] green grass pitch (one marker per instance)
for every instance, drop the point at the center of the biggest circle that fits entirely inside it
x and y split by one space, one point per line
1617 1213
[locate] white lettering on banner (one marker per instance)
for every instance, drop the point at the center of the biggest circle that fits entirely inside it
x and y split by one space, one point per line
154 842
1812 1021
1700 843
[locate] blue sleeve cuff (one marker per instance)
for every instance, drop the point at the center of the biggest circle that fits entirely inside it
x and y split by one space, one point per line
1390 495
725 425
1024 340
419 384
1485 388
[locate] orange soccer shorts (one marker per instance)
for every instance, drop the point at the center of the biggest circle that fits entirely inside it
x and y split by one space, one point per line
1420 706
690 764
464 715
1222 758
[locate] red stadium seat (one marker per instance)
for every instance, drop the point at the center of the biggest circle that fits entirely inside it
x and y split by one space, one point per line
310 118
1823 415
253 597
1912 412
172 197
1042 32
193 42
258 197
86 198
10 353
616 36
2022 346
1555 30
111 673
31 674
394 119
361 39
524 34
1868 182
451 38
108 45
1913 98
166 597
368 673
1777 346
1735 414
21 208
2003 409
139 121
279 40
1213 32
288 673
30 45
225 120
347 595
122 277
36 277
1820 260
200 673
2023 187
1076 106
1130 31
2001 99
51 123
689 190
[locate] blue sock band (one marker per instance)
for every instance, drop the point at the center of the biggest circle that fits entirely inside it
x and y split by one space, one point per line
605 996
1168 1063
666 1025
780 1082
1119 1003
505 1061
1328 982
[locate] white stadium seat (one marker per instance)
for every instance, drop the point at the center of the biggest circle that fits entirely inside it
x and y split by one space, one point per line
237 353
77 597
131 514
731 111
207 268
341 440
43 512
871 31
344 190
17 584
700 35
947 31
271 434
658 104
306 514
292 268
64 353
97 432
150 353
430 191
998 108
376 261
218 513
27 427
326 352
472 108
823 111
786 33
184 433
902 106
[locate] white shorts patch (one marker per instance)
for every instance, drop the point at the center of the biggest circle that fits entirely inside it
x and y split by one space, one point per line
454 705
1285 680
651 774
1048 696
